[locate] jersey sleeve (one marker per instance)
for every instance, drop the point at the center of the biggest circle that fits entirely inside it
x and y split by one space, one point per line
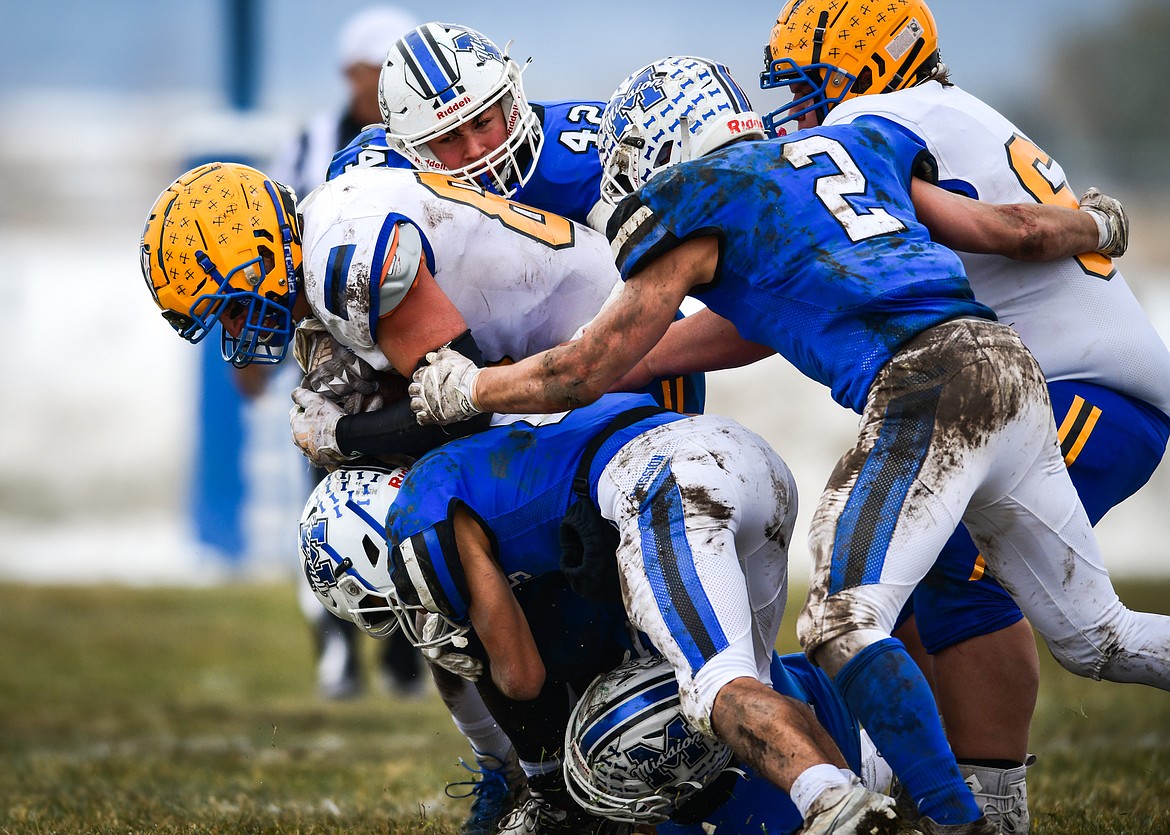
400 266
637 235
427 570
368 149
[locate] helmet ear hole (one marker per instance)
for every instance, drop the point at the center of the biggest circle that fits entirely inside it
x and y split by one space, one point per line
268 257
663 155
863 83
372 549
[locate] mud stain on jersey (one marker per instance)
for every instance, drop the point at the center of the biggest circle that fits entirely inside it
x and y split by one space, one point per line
436 213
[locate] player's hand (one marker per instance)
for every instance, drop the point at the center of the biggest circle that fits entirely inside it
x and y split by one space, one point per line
443 391
459 663
313 421
334 371
1112 223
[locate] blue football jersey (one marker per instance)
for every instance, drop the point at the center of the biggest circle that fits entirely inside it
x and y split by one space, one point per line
517 480
567 179
821 257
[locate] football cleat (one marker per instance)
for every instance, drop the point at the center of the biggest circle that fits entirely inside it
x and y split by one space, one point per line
834 50
438 77
983 826
493 795
548 808
1002 795
223 241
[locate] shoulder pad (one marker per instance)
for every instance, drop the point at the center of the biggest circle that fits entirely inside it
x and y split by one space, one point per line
428 572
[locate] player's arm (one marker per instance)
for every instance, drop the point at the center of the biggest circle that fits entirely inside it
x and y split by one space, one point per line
703 341
422 321
578 372
418 317
1025 231
516 667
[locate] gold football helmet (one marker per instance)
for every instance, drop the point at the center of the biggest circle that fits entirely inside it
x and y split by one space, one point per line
846 48
223 241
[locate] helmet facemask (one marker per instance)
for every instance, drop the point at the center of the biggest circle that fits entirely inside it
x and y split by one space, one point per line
439 78
827 85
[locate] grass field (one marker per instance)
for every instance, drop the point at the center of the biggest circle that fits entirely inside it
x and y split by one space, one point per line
194 711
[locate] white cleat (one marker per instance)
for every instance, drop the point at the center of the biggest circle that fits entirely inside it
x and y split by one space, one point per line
1002 795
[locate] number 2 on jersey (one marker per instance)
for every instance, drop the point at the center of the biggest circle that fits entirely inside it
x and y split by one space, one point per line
1031 167
831 189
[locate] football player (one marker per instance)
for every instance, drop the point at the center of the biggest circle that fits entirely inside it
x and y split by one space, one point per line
700 512
1108 370
395 263
809 245
453 102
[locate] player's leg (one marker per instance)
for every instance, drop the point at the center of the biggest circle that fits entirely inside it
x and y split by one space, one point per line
339 672
500 778
705 511
926 443
1034 534
987 677
1038 541
983 652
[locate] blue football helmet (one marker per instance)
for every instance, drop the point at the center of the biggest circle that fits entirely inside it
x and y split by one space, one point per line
671 111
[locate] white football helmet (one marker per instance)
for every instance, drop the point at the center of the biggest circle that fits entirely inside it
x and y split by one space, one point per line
343 546
671 111
630 755
440 76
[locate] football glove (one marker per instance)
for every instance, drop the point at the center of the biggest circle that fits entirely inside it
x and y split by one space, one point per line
334 371
1112 223
442 391
313 421
459 663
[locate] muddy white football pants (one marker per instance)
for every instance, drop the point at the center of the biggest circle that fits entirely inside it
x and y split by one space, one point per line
958 427
706 510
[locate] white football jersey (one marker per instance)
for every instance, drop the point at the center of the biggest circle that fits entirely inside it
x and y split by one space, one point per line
1078 316
524 280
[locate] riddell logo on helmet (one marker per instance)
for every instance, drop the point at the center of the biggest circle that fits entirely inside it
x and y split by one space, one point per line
451 108
742 125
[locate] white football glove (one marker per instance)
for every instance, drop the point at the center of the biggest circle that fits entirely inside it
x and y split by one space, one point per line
313 421
1112 223
443 391
444 656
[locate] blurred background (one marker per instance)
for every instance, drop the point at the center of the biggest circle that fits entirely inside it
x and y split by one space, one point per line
125 457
